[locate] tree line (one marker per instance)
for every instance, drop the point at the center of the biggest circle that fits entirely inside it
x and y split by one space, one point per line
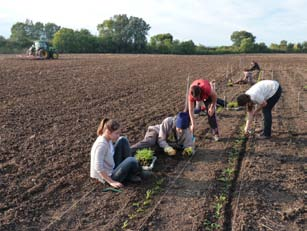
123 34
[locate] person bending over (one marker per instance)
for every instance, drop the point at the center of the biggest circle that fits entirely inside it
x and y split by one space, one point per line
265 94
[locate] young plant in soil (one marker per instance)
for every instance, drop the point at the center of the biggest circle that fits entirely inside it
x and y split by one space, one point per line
212 222
229 83
232 104
219 110
144 156
141 206
305 88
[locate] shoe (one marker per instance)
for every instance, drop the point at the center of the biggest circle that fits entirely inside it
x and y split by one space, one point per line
263 137
135 179
216 138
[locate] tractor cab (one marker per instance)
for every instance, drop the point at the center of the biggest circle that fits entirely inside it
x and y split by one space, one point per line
41 45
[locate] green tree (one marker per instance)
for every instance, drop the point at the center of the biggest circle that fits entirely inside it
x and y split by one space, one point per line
162 43
185 47
283 45
304 46
298 47
138 30
20 35
37 31
247 45
85 42
274 47
290 47
23 34
125 34
2 41
260 48
51 29
65 41
238 36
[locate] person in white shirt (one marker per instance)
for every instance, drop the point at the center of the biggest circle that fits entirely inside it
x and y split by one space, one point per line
112 163
265 94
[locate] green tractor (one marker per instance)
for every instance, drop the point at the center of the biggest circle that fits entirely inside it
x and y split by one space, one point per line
43 50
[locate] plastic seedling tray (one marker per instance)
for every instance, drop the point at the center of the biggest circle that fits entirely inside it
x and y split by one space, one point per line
150 167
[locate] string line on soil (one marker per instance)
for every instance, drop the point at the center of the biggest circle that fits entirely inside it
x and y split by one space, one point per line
242 170
145 219
58 218
164 194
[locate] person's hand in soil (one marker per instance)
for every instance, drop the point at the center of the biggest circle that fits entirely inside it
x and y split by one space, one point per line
116 184
170 151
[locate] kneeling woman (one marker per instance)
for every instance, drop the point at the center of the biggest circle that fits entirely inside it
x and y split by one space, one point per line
112 163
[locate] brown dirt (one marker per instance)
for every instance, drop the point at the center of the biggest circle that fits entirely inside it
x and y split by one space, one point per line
49 111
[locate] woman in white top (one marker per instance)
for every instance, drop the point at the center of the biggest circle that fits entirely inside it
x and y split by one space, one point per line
265 94
112 163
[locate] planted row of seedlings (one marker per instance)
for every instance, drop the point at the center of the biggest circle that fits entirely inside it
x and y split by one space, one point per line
140 207
220 216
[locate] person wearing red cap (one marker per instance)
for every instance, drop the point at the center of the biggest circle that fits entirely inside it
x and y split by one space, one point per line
201 91
171 135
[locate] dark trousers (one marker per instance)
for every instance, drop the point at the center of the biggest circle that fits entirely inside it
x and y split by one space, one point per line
125 165
267 112
212 119
149 141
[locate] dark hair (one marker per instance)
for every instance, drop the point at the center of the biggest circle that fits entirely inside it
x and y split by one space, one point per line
109 124
196 91
243 99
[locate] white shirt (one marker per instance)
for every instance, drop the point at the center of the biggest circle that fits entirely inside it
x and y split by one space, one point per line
102 153
262 90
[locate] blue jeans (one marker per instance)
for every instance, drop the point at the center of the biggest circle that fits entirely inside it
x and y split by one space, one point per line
267 112
125 165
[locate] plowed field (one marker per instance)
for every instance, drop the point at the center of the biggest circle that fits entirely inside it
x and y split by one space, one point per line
49 113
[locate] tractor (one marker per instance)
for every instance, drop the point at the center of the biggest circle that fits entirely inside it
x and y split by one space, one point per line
42 50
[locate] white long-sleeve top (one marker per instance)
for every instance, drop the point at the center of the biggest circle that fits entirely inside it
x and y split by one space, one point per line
102 153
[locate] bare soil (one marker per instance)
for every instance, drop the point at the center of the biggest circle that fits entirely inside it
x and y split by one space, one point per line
49 112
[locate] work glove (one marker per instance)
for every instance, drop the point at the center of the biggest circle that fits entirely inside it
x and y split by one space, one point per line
187 151
170 151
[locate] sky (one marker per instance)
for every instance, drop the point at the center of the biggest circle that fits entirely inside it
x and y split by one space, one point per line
206 22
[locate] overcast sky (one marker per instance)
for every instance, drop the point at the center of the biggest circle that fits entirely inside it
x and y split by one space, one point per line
206 22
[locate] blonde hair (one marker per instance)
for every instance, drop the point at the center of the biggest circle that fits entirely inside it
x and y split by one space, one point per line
109 124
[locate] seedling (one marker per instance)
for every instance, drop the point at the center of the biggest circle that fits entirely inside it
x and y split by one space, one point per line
144 156
160 182
211 226
219 110
140 210
125 225
136 204
149 193
141 206
305 88
229 83
147 202
132 216
232 104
